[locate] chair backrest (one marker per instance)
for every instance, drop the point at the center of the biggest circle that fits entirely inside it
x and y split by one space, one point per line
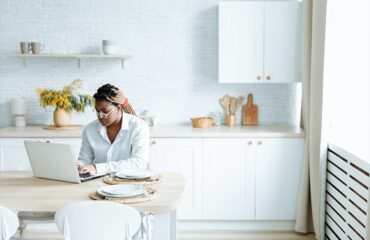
89 220
8 223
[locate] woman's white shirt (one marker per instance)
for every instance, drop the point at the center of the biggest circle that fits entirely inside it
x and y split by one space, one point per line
130 148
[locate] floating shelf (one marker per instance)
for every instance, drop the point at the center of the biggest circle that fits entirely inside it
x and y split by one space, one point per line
75 56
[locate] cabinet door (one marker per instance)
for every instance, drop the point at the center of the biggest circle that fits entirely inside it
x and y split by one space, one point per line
184 156
278 168
14 156
240 42
229 183
282 41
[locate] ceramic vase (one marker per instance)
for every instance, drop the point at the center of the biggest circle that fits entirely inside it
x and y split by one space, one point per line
62 118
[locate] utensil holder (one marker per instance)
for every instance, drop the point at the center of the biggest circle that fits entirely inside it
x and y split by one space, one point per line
230 120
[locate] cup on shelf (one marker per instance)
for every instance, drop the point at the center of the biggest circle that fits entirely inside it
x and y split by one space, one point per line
230 120
25 47
36 47
109 47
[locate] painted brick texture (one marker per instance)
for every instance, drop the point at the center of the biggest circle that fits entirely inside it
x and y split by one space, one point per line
173 71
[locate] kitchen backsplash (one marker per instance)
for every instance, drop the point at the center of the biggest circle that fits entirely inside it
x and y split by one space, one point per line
173 71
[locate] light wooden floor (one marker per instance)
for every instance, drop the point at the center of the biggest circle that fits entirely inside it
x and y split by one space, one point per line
53 235
222 235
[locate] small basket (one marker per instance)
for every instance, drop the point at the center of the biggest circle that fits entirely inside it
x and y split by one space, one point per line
202 122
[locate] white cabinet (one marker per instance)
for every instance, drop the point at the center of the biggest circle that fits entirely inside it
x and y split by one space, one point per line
229 187
278 169
240 42
182 155
282 41
259 41
13 155
226 178
252 178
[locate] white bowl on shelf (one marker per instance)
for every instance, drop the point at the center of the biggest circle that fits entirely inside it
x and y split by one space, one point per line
110 50
109 47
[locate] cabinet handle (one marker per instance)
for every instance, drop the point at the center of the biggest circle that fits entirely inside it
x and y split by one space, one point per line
250 143
268 77
259 142
153 142
258 77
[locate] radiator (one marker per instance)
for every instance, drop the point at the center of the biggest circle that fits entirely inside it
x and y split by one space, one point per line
347 196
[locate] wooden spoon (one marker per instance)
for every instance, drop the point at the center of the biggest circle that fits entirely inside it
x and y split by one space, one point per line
227 103
232 105
221 100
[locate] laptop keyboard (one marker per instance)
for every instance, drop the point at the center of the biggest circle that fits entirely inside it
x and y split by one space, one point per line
85 175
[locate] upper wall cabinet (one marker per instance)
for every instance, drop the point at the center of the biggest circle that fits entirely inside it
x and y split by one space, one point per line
259 41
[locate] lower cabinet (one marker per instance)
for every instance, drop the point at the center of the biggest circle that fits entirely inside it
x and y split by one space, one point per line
247 178
229 179
226 178
278 171
182 155
234 178
13 155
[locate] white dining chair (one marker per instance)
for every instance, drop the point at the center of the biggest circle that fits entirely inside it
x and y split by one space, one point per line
90 220
8 223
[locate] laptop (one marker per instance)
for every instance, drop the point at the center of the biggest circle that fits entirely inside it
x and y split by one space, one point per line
55 161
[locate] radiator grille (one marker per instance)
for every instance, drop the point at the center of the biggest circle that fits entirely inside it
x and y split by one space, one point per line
347 196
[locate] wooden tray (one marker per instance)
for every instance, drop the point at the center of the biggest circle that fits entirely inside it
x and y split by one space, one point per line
70 127
144 182
151 194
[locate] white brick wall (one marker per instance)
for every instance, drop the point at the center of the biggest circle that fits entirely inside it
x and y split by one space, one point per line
173 72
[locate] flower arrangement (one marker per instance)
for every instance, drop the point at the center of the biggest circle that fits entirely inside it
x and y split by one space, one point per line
65 99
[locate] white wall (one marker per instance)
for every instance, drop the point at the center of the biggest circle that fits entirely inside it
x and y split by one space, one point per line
173 72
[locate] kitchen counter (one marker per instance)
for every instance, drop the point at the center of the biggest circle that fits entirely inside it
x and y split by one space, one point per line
184 131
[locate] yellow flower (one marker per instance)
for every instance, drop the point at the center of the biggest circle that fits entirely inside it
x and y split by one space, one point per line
65 98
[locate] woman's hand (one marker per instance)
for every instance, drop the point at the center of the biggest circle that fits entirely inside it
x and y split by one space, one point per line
86 168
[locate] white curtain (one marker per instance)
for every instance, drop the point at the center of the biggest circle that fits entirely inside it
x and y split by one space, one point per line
313 41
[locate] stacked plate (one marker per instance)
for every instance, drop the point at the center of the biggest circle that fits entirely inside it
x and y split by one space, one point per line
136 174
122 191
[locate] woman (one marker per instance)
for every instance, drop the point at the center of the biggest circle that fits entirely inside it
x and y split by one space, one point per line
117 140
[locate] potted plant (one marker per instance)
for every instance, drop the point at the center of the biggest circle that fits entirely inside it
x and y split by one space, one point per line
65 101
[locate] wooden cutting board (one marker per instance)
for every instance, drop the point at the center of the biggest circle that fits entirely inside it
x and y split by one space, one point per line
250 112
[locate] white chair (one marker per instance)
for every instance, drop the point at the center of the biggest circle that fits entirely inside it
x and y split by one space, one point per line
90 220
8 223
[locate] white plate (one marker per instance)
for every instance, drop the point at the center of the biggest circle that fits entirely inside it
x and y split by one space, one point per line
116 196
121 190
136 173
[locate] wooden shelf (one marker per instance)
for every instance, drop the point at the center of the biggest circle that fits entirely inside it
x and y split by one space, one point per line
75 56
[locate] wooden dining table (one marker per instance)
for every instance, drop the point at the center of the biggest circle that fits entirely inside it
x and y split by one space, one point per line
21 192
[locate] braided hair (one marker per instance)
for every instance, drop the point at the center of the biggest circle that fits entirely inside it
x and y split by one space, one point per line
112 94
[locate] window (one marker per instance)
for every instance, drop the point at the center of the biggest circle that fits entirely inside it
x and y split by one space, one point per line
347 75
